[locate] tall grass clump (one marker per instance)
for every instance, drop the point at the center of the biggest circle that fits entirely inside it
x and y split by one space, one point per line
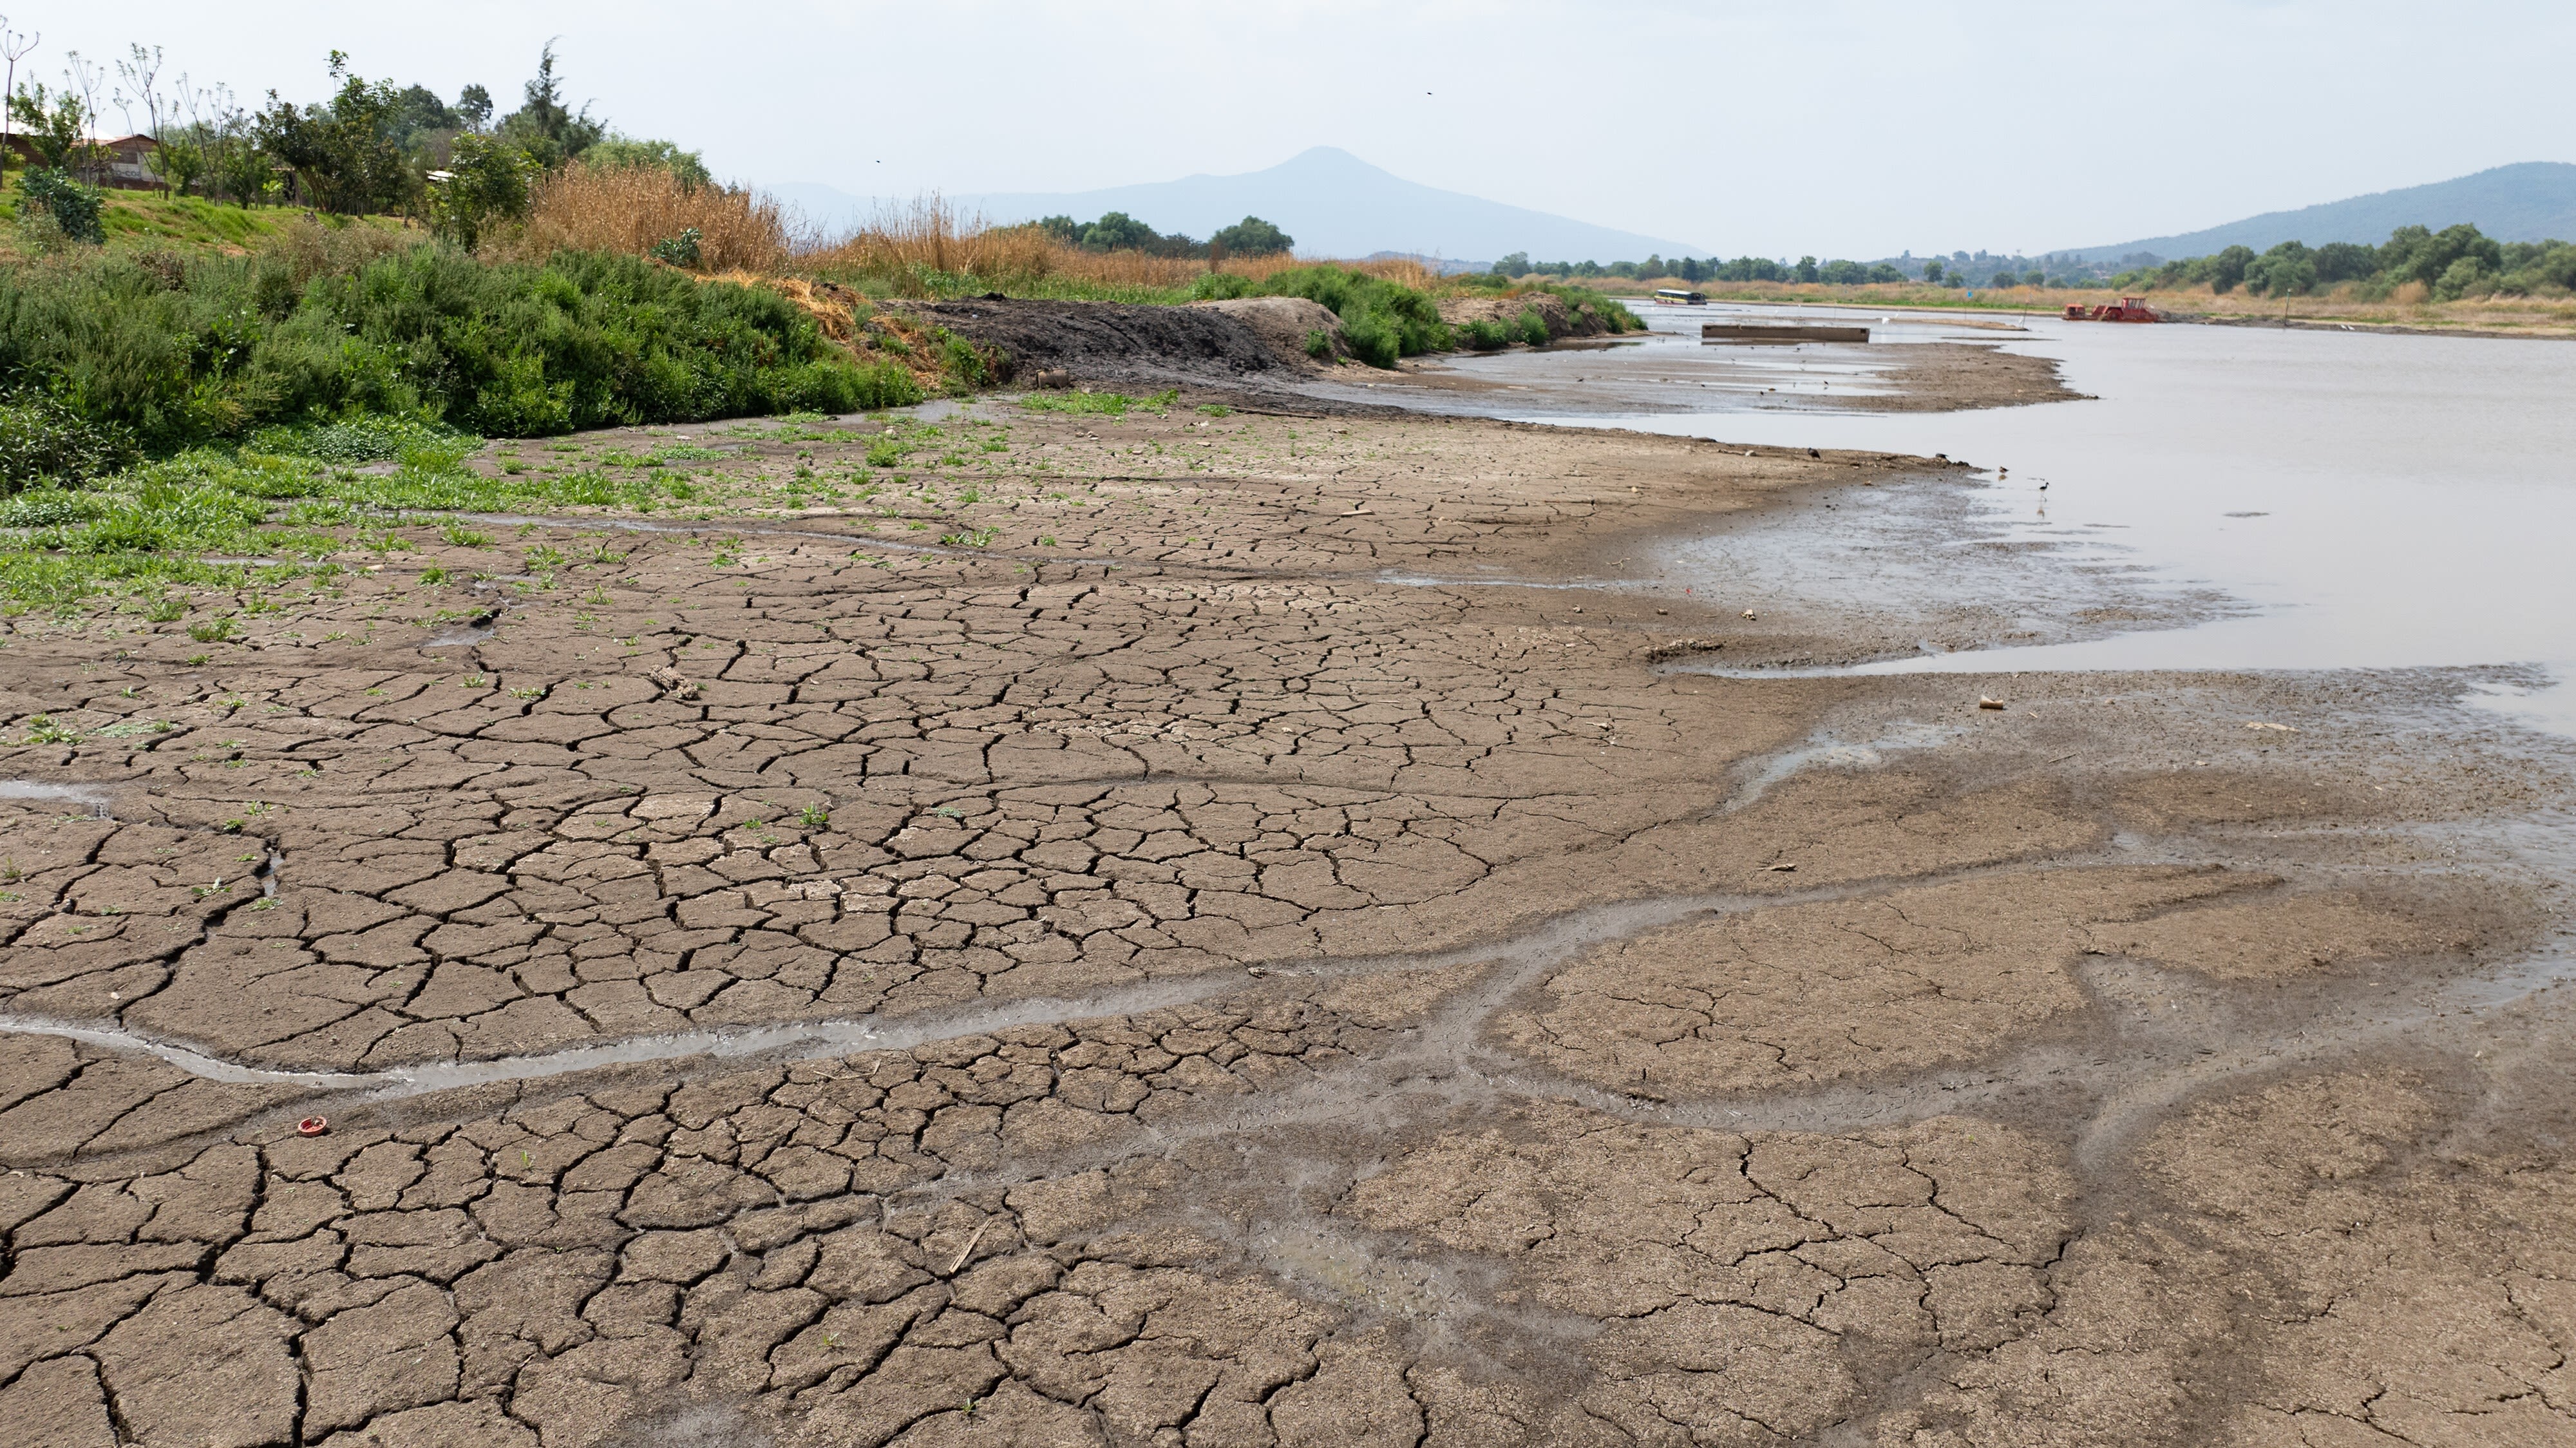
634 209
178 352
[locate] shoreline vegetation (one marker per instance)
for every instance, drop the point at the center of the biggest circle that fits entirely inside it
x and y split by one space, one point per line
291 335
2457 279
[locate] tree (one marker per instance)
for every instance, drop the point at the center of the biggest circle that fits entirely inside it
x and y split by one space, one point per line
13 48
543 125
474 107
418 115
141 71
1118 231
2227 268
2418 254
345 152
55 123
87 77
485 180
2344 261
181 159
1932 272
1807 272
1515 265
2287 270
1253 236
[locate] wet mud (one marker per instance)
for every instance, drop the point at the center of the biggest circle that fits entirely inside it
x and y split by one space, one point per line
1259 929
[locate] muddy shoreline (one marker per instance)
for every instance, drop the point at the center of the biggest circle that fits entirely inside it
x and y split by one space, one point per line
1222 927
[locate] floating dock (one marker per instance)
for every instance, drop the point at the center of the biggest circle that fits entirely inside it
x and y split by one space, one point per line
1779 332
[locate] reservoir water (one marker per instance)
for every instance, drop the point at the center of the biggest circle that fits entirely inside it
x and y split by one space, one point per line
2365 500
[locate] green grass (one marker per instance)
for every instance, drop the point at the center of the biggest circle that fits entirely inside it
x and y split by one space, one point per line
1114 404
147 220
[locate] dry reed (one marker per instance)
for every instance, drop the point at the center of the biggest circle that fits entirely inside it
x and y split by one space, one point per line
629 208
929 235
903 246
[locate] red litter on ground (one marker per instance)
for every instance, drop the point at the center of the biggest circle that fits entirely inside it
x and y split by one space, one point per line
312 1126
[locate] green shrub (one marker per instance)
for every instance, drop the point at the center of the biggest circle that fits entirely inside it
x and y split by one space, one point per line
1319 345
1531 327
75 207
960 363
1485 336
1381 320
219 346
681 250
43 440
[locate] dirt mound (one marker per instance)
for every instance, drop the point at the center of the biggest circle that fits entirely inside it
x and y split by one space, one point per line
1286 323
1110 342
1562 320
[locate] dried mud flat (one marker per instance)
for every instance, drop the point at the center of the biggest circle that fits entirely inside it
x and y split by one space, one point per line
1141 971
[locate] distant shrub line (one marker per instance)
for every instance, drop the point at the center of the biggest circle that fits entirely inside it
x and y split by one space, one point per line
2456 262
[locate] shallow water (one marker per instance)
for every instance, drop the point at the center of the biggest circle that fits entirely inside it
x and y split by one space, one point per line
2371 501
1669 369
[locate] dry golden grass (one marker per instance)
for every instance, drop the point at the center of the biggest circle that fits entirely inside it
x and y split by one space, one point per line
902 250
930 235
630 208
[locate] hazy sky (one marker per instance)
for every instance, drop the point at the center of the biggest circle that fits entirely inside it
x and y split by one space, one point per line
1839 127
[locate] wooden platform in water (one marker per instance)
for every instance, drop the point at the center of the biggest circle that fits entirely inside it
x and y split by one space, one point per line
1779 332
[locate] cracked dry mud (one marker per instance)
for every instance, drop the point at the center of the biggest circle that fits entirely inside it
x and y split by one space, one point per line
1151 970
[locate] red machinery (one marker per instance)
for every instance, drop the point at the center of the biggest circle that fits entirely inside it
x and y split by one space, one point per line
2127 309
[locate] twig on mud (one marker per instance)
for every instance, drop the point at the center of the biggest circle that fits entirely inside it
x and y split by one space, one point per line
959 1265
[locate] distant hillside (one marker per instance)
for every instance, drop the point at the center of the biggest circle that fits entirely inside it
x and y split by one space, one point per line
1333 202
2530 201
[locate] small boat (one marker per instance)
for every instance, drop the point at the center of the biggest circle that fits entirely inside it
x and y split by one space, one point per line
1676 297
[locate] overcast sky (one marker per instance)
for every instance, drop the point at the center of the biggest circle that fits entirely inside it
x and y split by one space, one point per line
1838 127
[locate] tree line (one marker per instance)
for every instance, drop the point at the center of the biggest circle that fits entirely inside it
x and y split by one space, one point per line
2447 265
371 147
1713 269
1118 231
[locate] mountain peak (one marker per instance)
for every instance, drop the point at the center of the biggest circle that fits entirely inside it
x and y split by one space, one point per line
1333 202
2525 201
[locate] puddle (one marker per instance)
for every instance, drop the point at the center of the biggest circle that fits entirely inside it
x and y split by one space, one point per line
93 795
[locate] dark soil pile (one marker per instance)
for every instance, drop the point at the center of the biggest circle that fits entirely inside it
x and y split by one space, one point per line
1111 343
